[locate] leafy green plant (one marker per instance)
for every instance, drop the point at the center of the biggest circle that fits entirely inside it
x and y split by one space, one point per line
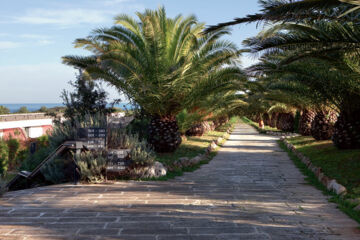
23 110
142 154
43 141
35 159
92 166
4 110
139 126
88 99
4 157
3 183
186 120
13 145
43 109
53 171
119 138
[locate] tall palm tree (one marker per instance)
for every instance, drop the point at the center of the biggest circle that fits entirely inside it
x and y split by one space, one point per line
164 65
329 54
298 11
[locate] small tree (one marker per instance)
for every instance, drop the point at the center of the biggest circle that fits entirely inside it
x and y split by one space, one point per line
88 98
43 109
13 147
4 157
23 109
4 110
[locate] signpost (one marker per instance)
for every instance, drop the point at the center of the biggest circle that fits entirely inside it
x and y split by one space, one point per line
93 138
118 160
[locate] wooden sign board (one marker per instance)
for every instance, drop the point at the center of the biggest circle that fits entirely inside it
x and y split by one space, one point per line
93 138
118 160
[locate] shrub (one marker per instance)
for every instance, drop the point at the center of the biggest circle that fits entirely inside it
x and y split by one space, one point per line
92 166
186 120
4 157
2 186
53 171
23 110
139 126
4 110
13 145
33 160
142 154
43 109
43 141
118 138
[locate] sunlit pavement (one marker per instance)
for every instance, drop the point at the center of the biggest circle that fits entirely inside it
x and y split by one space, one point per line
250 190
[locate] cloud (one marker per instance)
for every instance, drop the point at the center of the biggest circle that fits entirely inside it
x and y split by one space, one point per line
44 42
9 45
64 17
114 2
34 36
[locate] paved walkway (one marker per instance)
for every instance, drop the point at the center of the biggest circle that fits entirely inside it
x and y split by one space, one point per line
251 190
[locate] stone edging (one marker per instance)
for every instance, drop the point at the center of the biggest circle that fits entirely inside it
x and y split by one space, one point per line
187 162
329 183
287 134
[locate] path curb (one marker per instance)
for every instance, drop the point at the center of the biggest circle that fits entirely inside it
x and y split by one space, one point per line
329 183
213 146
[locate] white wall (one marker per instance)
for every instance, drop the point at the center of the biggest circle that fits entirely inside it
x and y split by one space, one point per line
25 123
34 132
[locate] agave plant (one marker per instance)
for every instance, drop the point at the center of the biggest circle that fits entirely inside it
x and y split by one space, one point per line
165 65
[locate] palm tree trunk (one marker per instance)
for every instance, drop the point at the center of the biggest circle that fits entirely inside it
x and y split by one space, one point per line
305 122
164 134
286 122
347 130
322 128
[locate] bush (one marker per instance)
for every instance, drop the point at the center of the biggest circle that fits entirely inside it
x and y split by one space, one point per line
92 166
4 157
4 110
43 109
23 110
2 186
186 120
139 126
33 160
43 141
13 145
118 138
53 171
142 154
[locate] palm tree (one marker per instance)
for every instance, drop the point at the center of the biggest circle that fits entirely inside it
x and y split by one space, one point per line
164 65
329 53
298 11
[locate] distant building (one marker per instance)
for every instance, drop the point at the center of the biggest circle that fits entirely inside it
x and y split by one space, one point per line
24 126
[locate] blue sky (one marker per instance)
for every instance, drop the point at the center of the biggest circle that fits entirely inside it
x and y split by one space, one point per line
35 34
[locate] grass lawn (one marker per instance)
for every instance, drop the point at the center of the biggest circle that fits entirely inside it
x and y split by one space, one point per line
342 165
193 147
256 125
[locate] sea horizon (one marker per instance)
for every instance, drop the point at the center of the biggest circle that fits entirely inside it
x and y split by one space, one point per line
32 107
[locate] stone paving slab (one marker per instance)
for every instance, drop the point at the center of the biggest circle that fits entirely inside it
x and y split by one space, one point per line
250 190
